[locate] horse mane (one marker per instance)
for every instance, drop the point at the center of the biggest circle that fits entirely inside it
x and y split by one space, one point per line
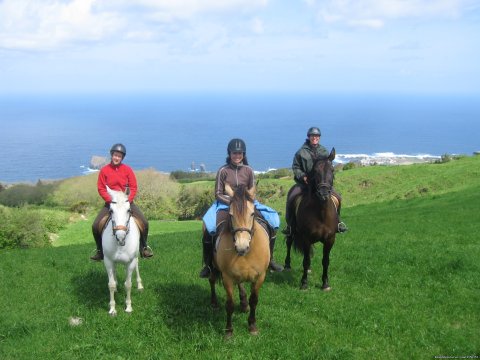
239 199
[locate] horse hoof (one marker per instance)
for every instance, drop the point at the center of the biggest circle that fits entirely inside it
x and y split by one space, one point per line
303 287
228 335
214 306
140 288
287 268
327 288
254 332
112 313
128 310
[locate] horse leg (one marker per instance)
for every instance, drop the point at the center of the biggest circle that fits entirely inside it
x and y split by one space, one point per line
306 267
213 294
325 262
139 279
253 301
112 284
228 285
289 241
243 298
128 284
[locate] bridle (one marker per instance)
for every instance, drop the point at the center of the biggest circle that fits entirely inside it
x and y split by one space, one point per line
319 187
323 189
116 227
234 230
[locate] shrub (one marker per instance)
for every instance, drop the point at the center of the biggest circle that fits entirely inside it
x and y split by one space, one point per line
77 190
25 194
276 174
349 165
26 227
157 195
193 202
190 176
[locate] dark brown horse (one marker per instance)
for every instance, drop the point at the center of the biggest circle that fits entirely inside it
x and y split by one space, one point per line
316 218
242 255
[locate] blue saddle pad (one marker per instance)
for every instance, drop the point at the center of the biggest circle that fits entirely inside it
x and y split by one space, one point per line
210 217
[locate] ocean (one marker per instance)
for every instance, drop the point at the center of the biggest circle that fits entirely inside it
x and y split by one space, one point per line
55 136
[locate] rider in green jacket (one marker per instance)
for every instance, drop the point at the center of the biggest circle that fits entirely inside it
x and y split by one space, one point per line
301 166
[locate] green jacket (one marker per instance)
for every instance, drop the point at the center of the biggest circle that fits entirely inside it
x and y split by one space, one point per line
304 158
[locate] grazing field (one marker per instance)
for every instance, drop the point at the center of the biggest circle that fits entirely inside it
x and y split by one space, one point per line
404 286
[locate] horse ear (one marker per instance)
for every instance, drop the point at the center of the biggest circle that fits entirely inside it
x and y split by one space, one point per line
109 191
332 154
229 190
251 192
127 191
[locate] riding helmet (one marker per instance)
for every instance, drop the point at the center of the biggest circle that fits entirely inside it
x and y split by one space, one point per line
120 148
314 131
237 145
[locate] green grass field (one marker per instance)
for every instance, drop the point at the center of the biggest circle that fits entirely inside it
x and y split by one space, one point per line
404 285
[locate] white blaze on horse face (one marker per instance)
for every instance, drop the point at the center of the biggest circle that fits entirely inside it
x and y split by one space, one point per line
120 210
243 237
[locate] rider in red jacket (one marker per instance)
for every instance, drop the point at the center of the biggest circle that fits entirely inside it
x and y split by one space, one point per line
118 176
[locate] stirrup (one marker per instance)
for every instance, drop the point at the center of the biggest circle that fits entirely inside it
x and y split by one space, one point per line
205 272
287 231
341 227
149 249
273 266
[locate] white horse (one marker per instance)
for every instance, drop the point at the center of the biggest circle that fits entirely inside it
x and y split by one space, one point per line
120 241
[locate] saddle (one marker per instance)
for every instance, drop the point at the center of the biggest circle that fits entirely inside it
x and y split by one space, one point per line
298 199
103 224
263 223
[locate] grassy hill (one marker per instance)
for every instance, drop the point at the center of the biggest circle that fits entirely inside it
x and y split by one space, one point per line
404 278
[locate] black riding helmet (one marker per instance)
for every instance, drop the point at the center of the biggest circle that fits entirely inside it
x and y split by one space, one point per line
120 148
236 145
314 131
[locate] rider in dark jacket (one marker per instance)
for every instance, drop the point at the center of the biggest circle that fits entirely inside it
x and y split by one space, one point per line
235 172
302 164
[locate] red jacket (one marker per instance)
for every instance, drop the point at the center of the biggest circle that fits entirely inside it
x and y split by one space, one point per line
116 178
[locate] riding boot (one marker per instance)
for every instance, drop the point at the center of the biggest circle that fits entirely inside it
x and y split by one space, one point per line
99 253
207 259
145 251
273 266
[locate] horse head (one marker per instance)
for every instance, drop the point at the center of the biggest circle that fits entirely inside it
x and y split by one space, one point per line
120 214
321 176
242 217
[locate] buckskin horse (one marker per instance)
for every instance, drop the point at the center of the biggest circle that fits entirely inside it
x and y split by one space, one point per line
242 255
120 241
315 219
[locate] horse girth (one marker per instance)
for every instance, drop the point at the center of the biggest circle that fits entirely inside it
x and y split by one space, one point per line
299 198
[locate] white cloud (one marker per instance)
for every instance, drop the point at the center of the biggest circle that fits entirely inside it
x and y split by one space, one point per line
257 26
51 24
42 25
375 13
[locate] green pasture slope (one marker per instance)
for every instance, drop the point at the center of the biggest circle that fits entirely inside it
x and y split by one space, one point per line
405 285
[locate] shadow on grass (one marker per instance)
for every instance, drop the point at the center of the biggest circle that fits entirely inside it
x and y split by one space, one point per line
91 288
185 307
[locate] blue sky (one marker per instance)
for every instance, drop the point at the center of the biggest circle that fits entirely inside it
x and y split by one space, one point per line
408 46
